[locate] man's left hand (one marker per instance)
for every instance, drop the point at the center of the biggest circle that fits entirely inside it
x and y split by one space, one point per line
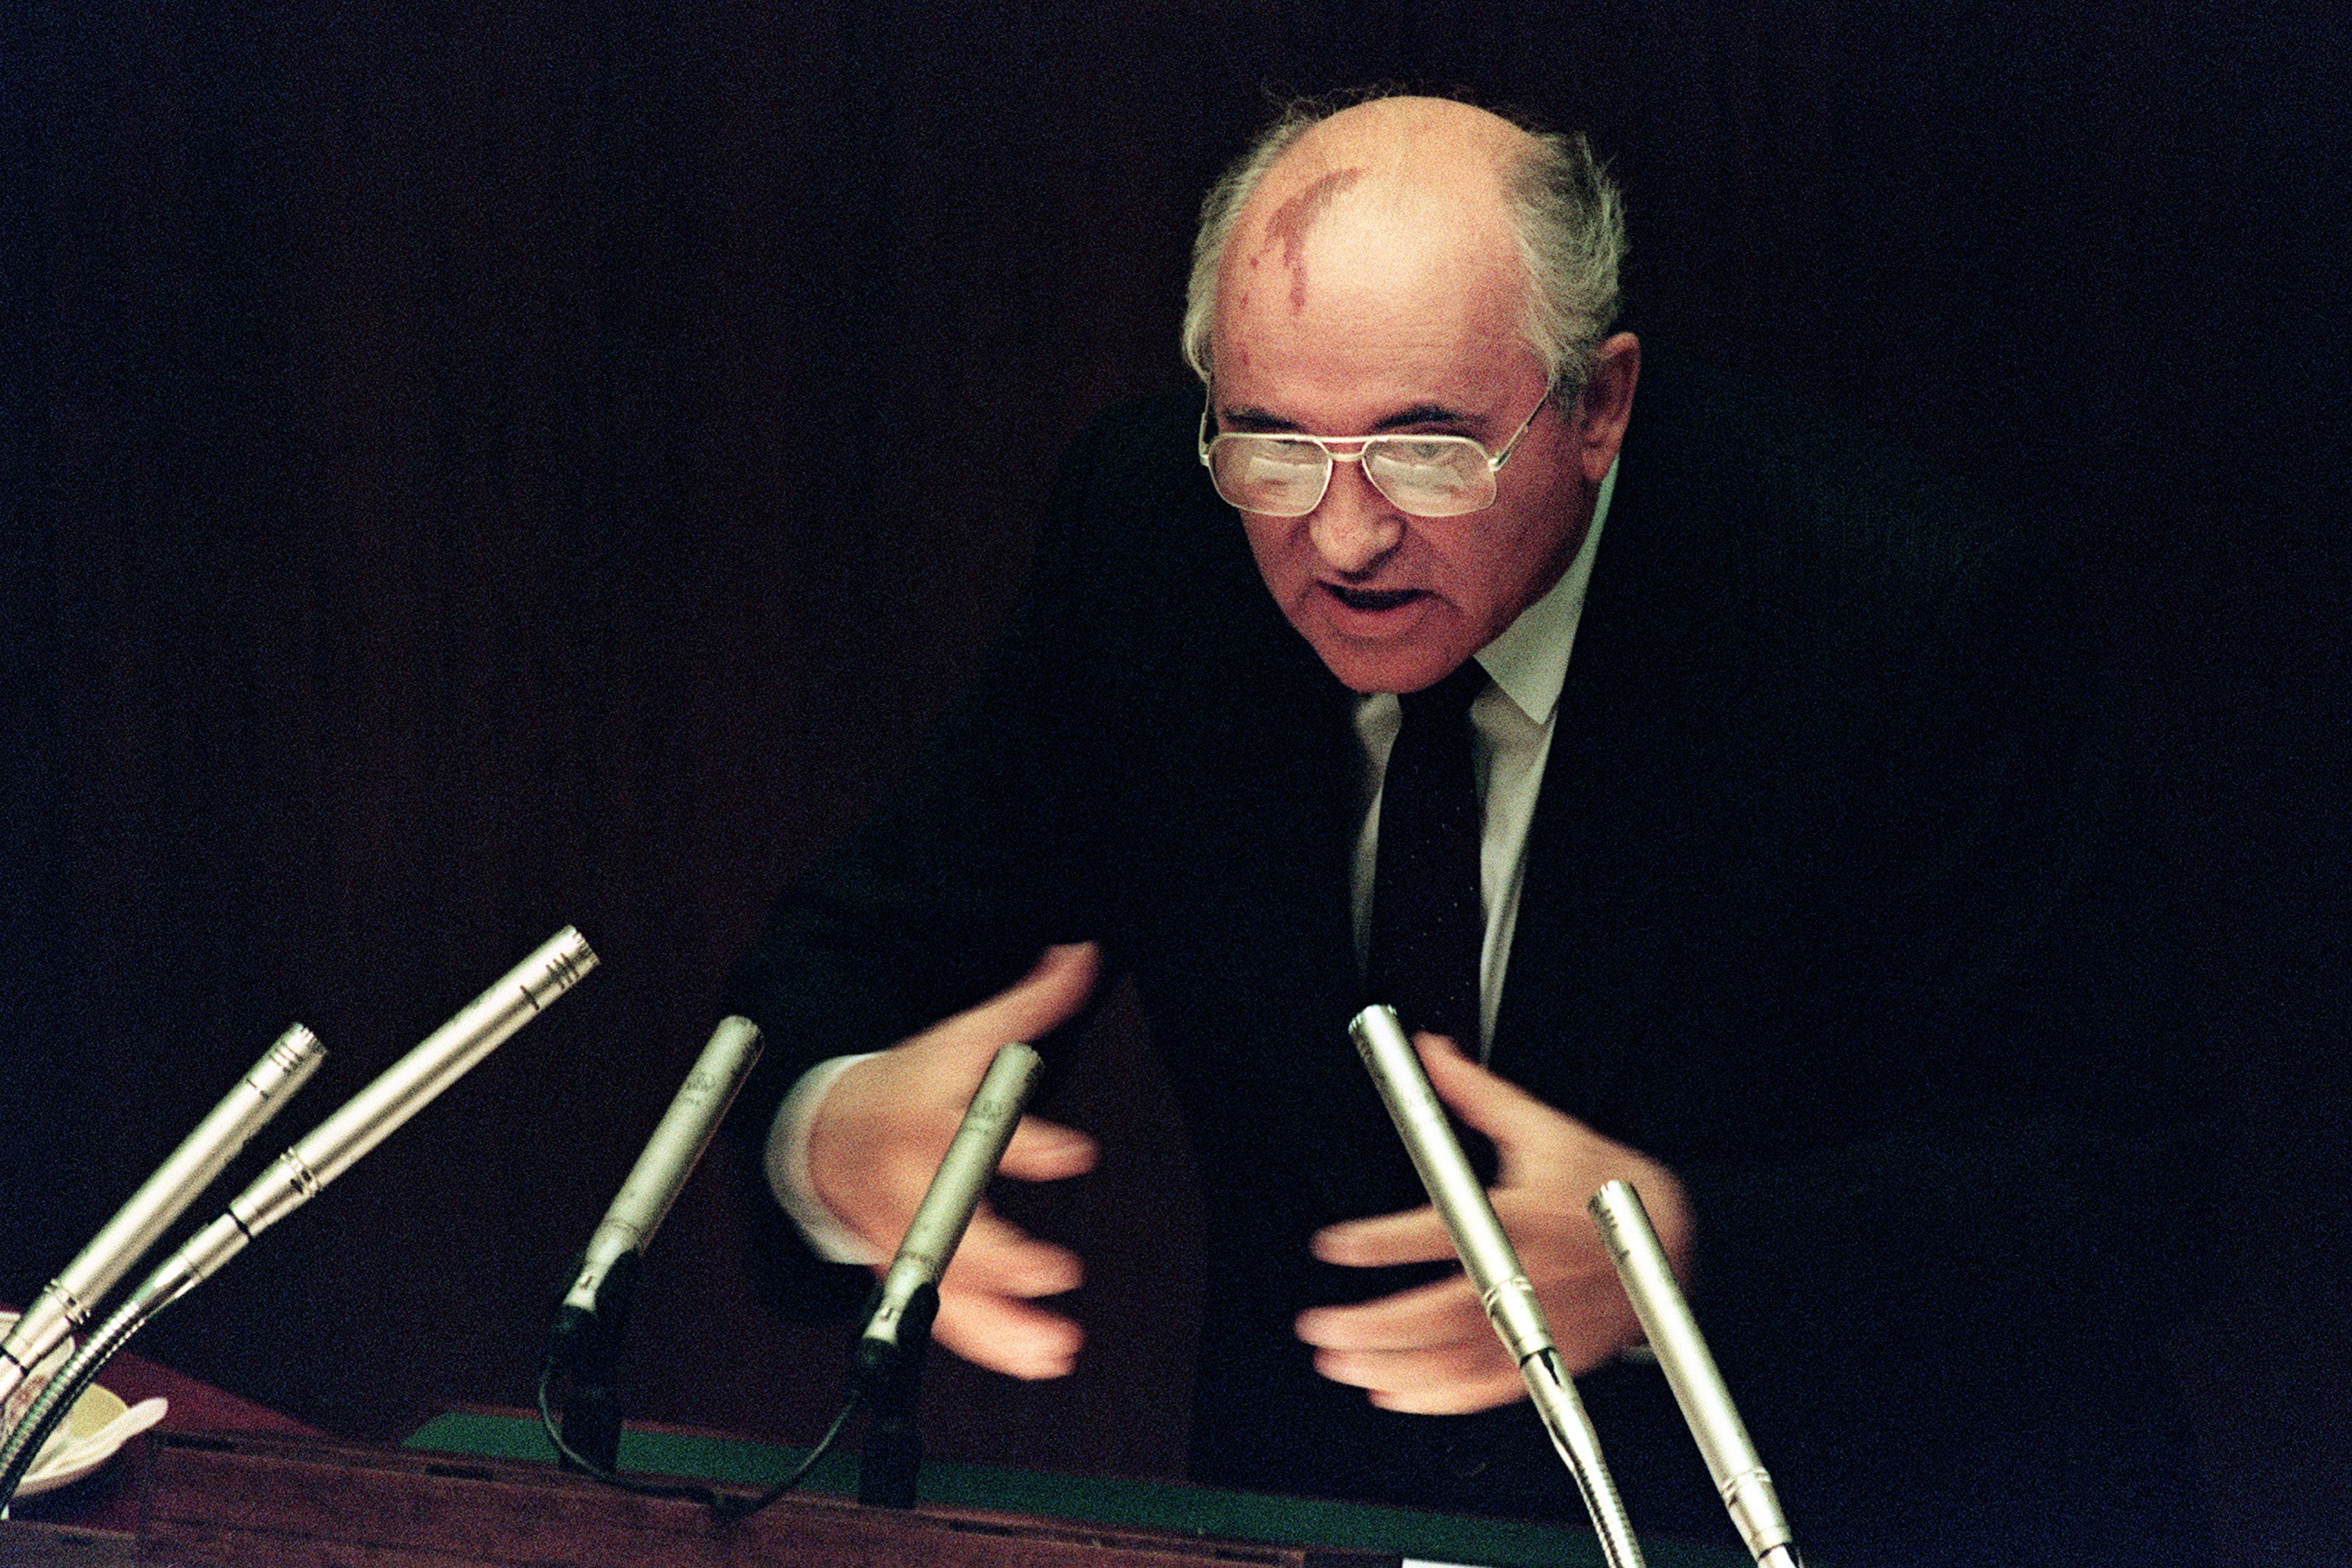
1430 1349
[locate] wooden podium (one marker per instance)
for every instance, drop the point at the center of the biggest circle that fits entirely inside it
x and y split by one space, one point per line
225 1481
241 1501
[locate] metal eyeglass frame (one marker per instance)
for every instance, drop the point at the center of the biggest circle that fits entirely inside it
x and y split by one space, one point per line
1364 446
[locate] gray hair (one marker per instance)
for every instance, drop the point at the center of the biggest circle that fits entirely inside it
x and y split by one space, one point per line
1566 214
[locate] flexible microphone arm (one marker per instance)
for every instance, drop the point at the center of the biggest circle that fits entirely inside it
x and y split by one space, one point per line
1493 1266
64 1306
296 1176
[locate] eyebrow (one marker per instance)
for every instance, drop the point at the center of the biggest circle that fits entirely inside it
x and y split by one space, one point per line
1427 413
1255 418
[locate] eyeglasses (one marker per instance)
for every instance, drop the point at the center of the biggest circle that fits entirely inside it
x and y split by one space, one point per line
1286 474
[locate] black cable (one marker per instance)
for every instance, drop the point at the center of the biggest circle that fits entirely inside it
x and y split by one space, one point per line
727 1507
744 1507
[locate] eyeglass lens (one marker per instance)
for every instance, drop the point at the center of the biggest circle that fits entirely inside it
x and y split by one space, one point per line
1435 477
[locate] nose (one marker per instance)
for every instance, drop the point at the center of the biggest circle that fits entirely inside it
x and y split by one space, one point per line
1355 527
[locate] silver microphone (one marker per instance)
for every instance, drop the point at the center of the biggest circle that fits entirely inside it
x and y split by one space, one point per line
296 1176
1493 1266
670 1155
372 1115
1691 1373
64 1305
954 1192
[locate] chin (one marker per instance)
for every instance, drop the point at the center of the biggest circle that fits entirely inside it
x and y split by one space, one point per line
1367 670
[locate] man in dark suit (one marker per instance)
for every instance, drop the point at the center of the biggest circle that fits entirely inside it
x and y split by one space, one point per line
1785 909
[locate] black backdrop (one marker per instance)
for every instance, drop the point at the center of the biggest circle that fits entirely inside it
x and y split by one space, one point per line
476 468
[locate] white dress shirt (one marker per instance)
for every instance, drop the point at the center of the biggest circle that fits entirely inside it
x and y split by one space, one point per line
1511 725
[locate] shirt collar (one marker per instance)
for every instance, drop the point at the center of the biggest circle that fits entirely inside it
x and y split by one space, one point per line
1529 660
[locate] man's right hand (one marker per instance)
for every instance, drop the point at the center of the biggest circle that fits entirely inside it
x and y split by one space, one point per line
880 1132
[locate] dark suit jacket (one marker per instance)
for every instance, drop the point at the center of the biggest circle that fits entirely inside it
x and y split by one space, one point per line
1817 911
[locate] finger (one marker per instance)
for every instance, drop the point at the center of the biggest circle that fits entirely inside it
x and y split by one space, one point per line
1434 1380
1415 1235
1006 1335
1492 1104
1443 1312
1002 1258
1498 1385
1032 1006
1044 1150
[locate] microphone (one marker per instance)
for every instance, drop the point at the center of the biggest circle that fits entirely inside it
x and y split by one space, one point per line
1690 1369
947 1207
64 1305
296 1176
371 1116
889 1359
1493 1266
586 1336
670 1155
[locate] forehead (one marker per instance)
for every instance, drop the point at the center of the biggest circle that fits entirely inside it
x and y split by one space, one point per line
1347 290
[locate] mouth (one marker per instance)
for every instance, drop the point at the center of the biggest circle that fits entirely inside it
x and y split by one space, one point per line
1372 601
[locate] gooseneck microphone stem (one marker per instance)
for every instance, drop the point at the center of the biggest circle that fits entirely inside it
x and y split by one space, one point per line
23 1443
1691 1371
66 1305
329 1149
1493 1267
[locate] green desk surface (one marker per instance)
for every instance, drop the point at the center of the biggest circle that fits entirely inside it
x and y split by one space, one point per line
1197 1510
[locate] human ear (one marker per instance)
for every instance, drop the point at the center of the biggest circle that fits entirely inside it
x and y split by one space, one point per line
1605 406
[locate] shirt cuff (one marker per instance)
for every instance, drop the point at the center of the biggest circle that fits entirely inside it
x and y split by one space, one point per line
786 1162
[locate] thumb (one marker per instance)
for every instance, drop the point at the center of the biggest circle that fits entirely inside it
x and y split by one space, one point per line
1032 1005
1505 1112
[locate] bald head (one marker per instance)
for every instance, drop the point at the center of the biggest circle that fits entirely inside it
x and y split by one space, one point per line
1379 176
1411 142
1535 207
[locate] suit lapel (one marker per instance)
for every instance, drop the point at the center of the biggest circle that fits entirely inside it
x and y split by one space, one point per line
1623 830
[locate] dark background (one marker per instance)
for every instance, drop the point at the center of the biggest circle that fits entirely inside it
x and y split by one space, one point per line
474 467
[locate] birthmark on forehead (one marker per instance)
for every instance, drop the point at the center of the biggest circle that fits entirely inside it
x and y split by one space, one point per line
1293 219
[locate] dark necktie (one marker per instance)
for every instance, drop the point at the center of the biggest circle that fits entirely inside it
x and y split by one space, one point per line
1428 923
